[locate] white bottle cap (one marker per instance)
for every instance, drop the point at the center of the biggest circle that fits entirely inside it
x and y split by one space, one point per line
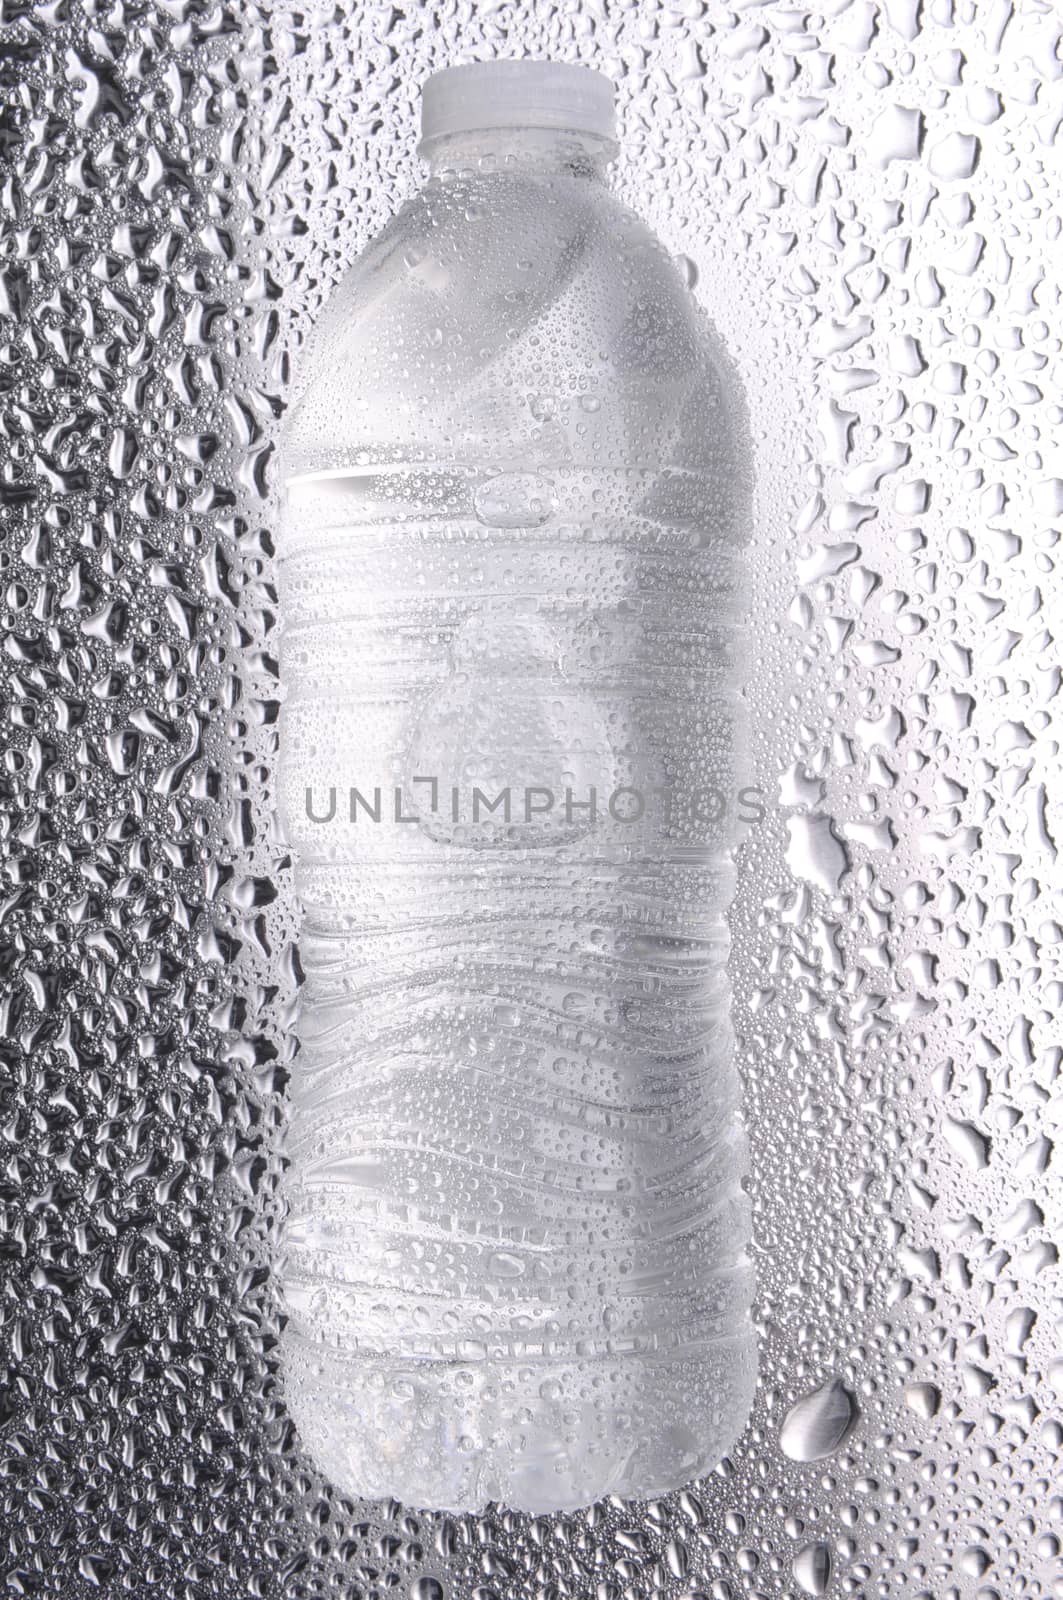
517 94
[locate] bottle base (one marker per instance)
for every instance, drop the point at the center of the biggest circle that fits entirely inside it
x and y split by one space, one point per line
536 1437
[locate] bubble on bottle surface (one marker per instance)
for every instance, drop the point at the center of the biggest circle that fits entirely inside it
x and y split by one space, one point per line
514 500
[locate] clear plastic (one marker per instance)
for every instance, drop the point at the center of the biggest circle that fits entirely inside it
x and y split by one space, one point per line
516 94
511 560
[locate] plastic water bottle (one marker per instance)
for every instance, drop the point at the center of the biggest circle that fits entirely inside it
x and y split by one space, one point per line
517 491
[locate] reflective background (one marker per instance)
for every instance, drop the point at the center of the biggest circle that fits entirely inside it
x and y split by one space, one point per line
869 200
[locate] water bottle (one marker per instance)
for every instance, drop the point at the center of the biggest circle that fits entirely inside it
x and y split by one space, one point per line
517 484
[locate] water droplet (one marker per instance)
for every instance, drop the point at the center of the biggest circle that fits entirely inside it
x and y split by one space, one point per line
815 852
812 1568
687 271
819 1423
896 135
955 156
967 1142
426 1588
922 1398
514 500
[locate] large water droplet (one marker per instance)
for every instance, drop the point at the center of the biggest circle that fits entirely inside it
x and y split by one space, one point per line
815 852
954 156
922 1398
820 1422
812 1568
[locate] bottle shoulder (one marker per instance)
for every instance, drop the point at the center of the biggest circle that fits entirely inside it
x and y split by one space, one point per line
488 305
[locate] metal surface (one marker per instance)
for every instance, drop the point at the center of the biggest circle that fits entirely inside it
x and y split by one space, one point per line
870 202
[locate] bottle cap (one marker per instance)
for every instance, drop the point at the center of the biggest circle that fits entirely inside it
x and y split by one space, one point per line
517 94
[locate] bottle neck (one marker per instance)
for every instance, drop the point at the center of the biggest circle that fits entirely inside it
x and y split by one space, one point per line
518 150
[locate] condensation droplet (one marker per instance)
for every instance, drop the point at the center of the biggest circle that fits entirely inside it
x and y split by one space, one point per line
817 1425
812 1568
514 500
